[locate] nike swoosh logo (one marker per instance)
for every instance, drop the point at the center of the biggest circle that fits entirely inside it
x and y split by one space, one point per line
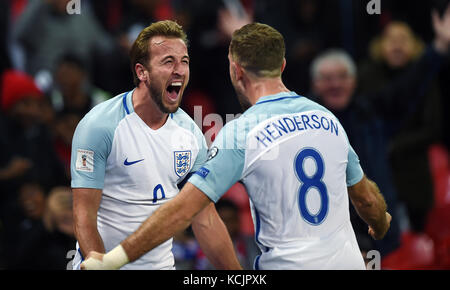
126 163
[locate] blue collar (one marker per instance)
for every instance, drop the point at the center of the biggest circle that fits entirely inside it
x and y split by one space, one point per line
277 97
127 100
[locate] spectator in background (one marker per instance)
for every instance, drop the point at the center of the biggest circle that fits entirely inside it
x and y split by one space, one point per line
229 213
440 8
45 244
210 31
73 90
72 96
32 200
110 13
45 31
309 26
26 146
25 220
63 129
334 82
141 15
58 217
392 54
26 149
308 42
26 140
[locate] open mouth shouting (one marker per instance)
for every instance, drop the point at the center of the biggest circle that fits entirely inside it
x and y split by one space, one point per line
173 90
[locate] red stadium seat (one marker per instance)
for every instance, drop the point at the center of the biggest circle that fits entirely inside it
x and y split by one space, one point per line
415 253
438 228
438 223
431 249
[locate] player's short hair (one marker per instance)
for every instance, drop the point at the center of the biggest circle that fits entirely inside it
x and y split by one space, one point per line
140 53
259 49
334 54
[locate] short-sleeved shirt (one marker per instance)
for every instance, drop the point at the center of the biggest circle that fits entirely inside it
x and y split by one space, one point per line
295 160
137 169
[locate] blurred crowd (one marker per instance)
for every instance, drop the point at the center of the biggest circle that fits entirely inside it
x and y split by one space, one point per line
386 77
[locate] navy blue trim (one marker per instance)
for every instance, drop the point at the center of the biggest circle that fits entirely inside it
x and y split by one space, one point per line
258 228
81 255
124 99
183 182
171 115
256 264
278 99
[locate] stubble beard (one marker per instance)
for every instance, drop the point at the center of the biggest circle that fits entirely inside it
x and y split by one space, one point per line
156 94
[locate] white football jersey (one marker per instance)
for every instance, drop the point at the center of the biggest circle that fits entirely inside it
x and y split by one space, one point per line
136 167
294 158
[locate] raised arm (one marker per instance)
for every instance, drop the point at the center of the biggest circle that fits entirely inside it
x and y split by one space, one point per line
402 95
86 202
370 206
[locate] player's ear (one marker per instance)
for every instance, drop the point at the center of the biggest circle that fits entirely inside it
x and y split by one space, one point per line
239 71
283 65
141 72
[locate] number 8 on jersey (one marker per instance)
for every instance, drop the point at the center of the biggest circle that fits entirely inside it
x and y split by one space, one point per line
308 182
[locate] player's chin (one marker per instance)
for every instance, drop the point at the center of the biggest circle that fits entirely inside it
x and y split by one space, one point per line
171 107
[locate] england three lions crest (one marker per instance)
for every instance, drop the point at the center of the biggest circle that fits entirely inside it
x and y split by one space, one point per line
182 162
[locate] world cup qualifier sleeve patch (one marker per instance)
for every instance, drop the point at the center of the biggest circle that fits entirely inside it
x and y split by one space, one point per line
85 160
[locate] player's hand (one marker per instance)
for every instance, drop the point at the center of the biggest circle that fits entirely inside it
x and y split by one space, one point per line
94 261
228 22
379 235
113 260
441 27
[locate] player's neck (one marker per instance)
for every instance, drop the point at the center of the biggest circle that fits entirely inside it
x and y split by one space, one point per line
147 109
265 87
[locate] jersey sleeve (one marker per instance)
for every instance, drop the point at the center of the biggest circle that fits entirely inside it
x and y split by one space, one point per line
224 165
354 170
91 146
